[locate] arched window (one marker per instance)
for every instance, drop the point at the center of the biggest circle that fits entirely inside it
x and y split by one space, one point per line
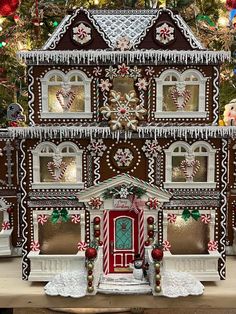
57 166
192 166
66 95
180 94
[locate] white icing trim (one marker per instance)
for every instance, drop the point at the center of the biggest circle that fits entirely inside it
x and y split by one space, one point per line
216 95
97 56
31 96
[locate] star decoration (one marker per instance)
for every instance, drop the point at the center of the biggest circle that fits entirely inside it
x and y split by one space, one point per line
123 111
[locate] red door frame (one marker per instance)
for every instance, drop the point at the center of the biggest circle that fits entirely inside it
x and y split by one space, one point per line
122 258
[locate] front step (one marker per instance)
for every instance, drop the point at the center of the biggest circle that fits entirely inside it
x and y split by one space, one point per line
118 284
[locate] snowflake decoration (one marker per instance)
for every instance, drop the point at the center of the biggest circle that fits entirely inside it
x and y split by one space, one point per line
135 73
142 84
105 85
123 111
151 148
149 71
165 34
82 34
123 70
123 157
123 43
96 148
123 193
110 72
97 71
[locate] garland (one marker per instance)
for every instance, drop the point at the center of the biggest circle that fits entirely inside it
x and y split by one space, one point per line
123 191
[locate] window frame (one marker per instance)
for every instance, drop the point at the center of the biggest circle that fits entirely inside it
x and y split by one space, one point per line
160 83
57 149
210 153
86 82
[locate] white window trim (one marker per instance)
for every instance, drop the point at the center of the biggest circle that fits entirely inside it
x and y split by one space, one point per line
169 153
86 82
160 82
36 184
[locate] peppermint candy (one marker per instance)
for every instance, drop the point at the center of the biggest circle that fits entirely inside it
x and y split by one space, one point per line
212 245
82 246
153 203
75 219
171 218
95 202
205 219
35 246
42 219
166 245
6 225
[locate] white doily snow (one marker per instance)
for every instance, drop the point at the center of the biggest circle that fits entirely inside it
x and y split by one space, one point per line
74 284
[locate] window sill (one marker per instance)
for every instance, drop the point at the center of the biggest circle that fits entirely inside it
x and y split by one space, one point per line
66 115
58 185
189 185
180 114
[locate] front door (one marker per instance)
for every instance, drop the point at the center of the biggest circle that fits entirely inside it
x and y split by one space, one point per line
123 239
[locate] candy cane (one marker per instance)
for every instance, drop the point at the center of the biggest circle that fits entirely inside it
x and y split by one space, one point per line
175 94
171 218
194 164
205 219
141 233
166 245
71 97
6 225
42 219
51 165
35 246
212 246
106 241
75 219
82 246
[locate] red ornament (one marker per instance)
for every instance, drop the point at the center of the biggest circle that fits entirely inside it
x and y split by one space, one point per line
147 243
91 253
90 283
96 220
100 243
150 220
157 254
10 210
8 7
97 233
90 272
230 4
151 233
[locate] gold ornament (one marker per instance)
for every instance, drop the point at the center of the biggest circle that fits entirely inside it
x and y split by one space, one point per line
150 227
90 277
90 266
90 289
158 277
96 227
157 265
158 289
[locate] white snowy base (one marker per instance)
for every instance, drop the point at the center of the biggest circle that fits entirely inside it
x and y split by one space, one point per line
5 243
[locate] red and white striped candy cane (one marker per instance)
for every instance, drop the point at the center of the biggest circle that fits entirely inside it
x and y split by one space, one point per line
106 241
212 245
205 218
6 225
185 164
75 218
171 218
35 246
82 246
166 245
141 233
42 219
51 165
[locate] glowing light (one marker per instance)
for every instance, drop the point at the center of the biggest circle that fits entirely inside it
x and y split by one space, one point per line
70 174
223 21
96 2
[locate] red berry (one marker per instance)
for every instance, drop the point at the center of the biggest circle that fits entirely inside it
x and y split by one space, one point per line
90 272
151 233
97 233
96 220
147 243
150 220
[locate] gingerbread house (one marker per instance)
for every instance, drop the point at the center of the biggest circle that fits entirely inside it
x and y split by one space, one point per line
123 146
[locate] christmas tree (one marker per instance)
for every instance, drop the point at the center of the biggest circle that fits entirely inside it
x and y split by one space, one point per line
27 25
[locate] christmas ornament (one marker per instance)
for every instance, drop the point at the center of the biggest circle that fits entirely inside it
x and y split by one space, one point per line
42 219
166 245
6 225
96 220
153 203
206 219
230 4
165 34
123 157
59 215
180 96
123 111
157 253
8 7
91 253
212 246
189 167
75 218
35 246
171 218
151 148
65 97
195 214
57 167
95 202
82 34
150 220
82 246
15 113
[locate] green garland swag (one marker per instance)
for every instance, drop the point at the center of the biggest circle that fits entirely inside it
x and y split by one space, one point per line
62 214
123 191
